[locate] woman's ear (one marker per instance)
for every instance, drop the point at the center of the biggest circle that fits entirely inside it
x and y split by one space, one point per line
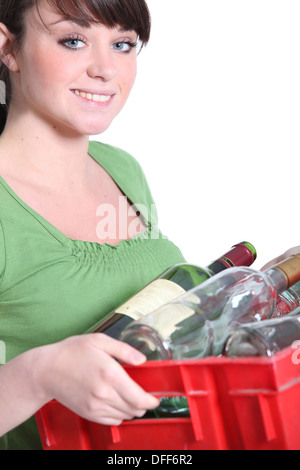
7 55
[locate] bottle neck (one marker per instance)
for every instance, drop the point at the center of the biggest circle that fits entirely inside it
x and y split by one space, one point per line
242 254
285 274
290 297
278 280
295 290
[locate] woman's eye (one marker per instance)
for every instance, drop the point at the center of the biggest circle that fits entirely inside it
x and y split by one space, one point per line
124 46
75 43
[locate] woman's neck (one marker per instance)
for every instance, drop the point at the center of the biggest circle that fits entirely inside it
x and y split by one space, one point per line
44 150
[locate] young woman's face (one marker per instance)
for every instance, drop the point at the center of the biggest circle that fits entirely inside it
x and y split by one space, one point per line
74 76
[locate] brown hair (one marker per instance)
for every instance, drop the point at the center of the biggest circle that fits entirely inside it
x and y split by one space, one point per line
129 14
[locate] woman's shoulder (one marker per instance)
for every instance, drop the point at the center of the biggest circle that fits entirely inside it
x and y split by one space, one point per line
124 169
113 157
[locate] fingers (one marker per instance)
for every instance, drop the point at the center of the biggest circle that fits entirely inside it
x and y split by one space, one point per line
113 416
292 251
134 397
119 350
124 395
104 390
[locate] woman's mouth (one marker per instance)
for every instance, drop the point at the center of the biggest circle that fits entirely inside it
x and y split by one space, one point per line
95 97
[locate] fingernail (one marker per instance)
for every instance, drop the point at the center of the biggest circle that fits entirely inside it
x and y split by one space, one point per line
138 358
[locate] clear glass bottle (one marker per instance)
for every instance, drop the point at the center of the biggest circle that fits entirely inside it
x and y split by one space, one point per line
265 338
169 285
198 323
287 301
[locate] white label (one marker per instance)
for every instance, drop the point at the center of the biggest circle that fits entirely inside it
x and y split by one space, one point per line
169 319
153 296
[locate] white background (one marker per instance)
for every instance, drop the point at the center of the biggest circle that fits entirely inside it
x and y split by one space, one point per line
214 122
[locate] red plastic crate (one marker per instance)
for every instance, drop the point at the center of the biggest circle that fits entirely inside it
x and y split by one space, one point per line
235 404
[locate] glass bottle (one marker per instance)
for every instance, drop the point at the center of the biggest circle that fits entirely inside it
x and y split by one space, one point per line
170 407
169 285
287 301
265 338
198 323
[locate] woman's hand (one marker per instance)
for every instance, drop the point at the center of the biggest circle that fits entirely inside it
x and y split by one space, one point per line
285 255
80 372
83 374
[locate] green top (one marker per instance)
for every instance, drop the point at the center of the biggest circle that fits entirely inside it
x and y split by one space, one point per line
53 287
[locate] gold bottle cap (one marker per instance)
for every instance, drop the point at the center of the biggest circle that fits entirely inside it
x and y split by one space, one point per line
291 269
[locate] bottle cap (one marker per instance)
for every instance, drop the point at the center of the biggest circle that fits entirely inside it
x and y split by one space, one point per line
251 248
291 269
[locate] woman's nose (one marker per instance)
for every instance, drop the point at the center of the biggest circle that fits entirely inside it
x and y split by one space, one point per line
102 65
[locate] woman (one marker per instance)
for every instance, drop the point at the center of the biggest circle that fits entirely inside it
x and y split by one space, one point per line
68 68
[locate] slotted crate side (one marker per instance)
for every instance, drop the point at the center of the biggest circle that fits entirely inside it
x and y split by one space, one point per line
234 404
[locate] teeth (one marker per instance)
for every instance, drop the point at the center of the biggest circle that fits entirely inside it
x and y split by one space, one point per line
93 97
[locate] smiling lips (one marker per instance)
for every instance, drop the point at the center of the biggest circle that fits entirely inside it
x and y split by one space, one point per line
97 98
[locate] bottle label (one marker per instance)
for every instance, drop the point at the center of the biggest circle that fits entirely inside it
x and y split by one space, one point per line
174 319
228 262
150 298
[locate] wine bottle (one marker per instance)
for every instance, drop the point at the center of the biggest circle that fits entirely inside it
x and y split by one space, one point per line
287 301
170 407
263 339
198 323
169 285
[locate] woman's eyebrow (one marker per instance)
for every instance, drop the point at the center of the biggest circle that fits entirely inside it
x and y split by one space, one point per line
59 21
74 21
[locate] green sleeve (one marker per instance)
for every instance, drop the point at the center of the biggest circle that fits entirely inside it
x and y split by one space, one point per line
129 175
